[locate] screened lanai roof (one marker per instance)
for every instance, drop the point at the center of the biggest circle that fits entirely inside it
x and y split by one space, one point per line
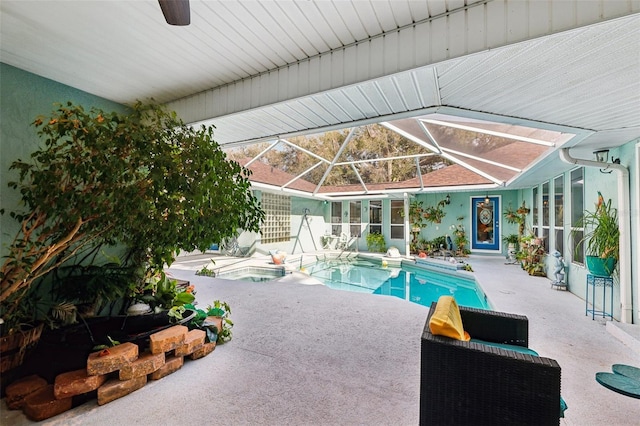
426 153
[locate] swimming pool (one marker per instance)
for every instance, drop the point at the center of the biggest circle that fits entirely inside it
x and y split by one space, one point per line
416 284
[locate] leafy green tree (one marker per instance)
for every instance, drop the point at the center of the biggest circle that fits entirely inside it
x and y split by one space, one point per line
143 179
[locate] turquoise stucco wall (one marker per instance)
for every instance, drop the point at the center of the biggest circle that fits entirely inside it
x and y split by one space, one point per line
606 183
24 96
595 181
460 206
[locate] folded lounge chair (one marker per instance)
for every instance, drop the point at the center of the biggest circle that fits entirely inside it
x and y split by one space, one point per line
477 383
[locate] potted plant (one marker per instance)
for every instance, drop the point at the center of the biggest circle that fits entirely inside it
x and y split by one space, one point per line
517 216
511 216
376 242
511 240
164 293
434 214
460 237
143 180
214 321
601 238
531 254
416 221
423 248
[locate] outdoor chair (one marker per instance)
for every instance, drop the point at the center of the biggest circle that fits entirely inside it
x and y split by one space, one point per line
473 383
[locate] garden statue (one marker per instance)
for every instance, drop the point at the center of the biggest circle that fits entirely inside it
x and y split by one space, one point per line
558 271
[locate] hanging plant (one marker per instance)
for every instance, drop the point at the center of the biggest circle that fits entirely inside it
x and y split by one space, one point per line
523 210
434 214
512 216
416 219
518 216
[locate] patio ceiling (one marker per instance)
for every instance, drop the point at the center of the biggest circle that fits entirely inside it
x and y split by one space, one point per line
272 70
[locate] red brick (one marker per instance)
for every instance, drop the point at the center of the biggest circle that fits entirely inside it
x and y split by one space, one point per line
42 404
192 341
75 383
117 357
17 391
114 389
203 351
145 364
171 365
167 339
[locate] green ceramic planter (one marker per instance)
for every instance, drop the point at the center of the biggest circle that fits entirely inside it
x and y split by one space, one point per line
601 267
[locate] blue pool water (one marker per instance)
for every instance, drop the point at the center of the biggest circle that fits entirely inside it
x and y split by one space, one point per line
254 274
415 284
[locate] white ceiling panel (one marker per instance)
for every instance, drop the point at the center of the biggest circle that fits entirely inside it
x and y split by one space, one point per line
328 104
376 97
311 107
391 94
257 69
364 105
352 111
417 88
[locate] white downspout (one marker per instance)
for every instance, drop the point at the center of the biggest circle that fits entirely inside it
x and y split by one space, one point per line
624 215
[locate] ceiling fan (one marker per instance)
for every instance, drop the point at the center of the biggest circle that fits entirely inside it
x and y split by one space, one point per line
176 12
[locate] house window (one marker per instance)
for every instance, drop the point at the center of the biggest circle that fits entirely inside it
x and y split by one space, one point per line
277 223
577 211
375 216
545 216
336 218
355 220
558 206
397 219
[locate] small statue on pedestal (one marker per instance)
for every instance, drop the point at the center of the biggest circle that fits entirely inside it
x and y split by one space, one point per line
558 271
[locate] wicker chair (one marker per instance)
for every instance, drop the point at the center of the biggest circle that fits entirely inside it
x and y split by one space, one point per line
472 383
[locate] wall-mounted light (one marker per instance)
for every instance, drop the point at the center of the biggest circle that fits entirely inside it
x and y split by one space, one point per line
447 200
487 200
602 155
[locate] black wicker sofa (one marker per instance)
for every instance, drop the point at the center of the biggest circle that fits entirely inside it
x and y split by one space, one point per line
471 383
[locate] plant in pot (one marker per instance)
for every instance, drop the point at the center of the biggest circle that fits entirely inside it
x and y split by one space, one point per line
376 242
143 180
517 216
512 241
601 238
460 237
416 222
423 248
434 214
164 293
214 320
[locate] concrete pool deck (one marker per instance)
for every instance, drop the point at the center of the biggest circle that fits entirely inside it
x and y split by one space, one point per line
309 355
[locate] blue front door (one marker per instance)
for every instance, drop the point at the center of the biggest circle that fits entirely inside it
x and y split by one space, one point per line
485 223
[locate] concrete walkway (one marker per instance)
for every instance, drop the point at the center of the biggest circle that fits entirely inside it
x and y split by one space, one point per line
309 355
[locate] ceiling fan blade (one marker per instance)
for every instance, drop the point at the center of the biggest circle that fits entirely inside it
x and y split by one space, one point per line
176 12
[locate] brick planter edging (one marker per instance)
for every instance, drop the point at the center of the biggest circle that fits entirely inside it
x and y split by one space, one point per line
113 373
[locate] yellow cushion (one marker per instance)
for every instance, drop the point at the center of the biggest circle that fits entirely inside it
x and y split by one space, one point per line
446 320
